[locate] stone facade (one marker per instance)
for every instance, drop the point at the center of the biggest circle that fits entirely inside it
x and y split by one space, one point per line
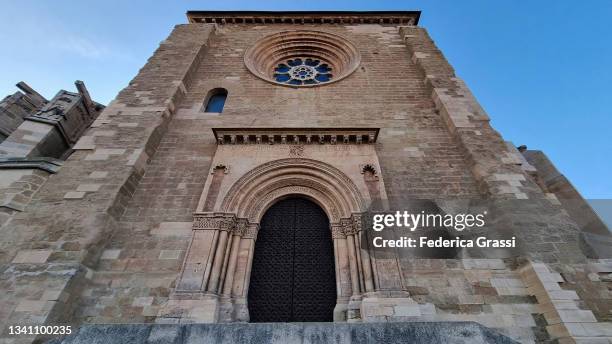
14 108
154 216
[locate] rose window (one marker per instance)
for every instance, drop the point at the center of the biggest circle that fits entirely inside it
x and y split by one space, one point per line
302 71
302 58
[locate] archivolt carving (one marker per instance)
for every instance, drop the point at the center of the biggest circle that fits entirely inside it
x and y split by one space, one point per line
325 179
256 212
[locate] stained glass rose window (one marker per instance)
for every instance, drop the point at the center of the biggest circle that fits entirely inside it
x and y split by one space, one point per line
302 58
303 71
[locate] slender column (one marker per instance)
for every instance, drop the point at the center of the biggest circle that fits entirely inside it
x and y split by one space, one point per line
231 265
215 274
226 258
358 259
343 274
353 265
367 266
364 255
245 260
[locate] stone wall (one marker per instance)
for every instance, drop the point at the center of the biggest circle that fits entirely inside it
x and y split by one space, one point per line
54 244
417 155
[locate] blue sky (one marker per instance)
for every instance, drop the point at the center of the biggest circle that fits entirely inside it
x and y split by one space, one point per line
541 69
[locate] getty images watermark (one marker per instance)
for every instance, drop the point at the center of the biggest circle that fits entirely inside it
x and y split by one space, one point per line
418 222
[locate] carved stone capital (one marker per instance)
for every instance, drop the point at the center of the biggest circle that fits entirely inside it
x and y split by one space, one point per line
241 227
347 226
227 224
337 231
251 231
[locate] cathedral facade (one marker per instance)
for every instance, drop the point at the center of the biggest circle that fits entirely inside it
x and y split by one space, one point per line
231 182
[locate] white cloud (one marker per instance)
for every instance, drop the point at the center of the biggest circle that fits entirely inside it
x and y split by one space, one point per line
83 47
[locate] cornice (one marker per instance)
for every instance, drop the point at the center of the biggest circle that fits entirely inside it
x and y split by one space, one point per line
295 135
47 164
305 17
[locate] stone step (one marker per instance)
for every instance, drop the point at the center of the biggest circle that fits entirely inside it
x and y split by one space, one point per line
287 333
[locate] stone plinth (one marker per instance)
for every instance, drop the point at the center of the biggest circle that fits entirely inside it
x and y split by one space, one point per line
388 333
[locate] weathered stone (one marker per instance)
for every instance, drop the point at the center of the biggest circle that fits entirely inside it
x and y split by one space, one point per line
389 333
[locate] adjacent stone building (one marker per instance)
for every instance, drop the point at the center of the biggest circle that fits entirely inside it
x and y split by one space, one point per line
231 182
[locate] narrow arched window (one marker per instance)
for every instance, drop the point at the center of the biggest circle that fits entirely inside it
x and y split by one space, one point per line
215 100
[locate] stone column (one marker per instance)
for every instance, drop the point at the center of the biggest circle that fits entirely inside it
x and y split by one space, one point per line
350 238
367 275
242 273
343 274
233 257
354 305
225 226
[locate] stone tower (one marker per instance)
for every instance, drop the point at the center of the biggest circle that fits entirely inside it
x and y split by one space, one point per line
246 153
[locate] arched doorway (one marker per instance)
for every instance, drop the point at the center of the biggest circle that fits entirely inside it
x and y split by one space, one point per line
293 276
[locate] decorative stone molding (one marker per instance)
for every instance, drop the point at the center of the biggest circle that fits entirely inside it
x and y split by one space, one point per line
368 167
259 207
305 17
46 164
241 227
295 136
347 226
251 231
336 54
223 167
249 196
371 168
356 220
296 151
221 250
218 221
337 231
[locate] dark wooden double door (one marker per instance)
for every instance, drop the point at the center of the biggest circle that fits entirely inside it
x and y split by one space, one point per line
293 277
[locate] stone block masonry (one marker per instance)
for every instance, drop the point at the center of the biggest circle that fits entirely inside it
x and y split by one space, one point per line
73 233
